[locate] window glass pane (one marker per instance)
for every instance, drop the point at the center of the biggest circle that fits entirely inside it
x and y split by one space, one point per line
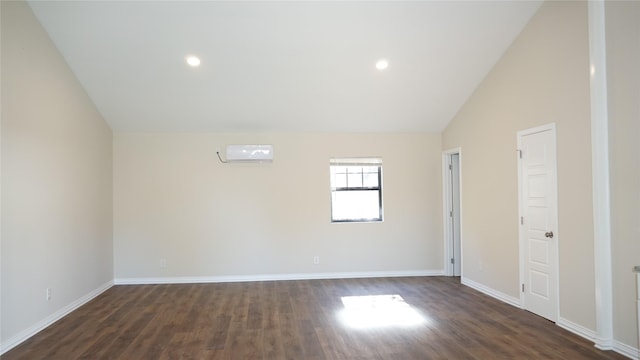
338 177
370 180
354 178
355 205
340 180
340 169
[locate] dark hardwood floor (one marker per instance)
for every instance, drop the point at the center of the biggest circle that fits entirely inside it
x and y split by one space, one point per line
303 320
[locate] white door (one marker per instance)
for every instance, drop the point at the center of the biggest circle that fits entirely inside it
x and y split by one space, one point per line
455 213
538 221
452 215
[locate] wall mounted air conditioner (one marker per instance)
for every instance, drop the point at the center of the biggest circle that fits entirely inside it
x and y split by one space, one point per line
249 153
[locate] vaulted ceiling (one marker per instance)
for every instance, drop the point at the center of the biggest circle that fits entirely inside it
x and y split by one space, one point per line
284 66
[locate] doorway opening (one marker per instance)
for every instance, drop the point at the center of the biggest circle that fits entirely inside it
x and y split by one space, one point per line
452 214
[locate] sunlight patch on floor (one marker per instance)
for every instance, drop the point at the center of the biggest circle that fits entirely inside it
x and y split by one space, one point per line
379 311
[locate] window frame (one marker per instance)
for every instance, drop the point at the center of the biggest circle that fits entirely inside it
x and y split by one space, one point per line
361 163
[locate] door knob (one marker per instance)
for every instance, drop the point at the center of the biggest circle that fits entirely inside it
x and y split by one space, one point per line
549 234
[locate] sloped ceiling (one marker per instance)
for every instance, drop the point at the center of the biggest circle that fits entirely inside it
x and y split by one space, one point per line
281 66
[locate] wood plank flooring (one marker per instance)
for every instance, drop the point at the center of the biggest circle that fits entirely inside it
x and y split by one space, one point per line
300 320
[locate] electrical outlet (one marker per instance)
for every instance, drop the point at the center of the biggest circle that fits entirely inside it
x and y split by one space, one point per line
163 263
48 293
316 260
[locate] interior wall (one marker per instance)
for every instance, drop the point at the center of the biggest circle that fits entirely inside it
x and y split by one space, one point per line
56 180
174 200
623 56
542 78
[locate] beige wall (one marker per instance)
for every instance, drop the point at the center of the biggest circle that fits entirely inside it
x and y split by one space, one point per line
623 57
173 199
542 78
56 180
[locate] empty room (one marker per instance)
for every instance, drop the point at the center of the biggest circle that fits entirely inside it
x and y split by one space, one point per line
320 179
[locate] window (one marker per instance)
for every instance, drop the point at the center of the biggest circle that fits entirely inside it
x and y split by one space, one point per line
356 189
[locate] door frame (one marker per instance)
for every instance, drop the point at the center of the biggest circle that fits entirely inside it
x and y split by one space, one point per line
521 233
446 208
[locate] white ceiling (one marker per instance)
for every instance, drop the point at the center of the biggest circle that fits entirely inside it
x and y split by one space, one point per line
281 66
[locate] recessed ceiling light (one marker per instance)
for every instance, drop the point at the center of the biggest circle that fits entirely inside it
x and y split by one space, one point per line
193 60
382 64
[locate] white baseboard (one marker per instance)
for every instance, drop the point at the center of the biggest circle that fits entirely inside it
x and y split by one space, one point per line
272 277
44 323
576 329
491 292
626 350
620 348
